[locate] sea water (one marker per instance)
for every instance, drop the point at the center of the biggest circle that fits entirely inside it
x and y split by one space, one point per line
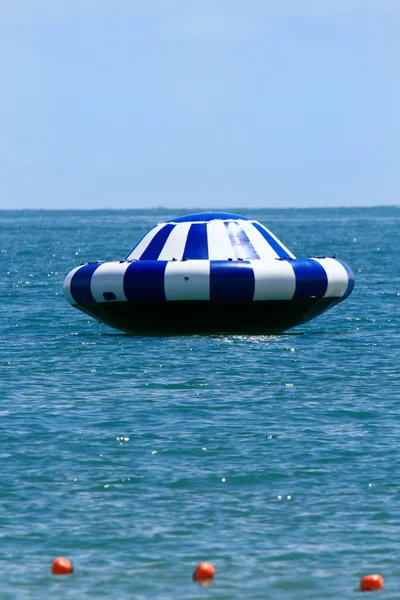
276 458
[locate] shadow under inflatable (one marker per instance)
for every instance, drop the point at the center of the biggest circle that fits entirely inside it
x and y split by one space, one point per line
269 317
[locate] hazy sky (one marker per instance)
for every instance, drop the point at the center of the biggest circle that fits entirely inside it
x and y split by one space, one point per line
189 103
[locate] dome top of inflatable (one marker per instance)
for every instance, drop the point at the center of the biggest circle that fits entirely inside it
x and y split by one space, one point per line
209 236
205 217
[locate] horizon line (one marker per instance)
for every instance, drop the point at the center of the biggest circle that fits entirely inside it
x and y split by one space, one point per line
203 208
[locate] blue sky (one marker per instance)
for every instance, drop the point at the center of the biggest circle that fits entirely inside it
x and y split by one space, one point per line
199 103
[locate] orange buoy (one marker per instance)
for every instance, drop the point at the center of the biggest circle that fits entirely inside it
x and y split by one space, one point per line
203 571
370 583
61 566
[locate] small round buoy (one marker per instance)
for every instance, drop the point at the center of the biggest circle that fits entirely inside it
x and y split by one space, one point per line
370 583
203 571
61 566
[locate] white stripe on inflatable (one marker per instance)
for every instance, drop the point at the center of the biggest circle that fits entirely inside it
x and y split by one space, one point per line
219 244
109 278
278 241
142 245
338 279
274 280
187 280
67 285
260 245
175 244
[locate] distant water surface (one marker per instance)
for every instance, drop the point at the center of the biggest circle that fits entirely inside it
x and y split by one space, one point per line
275 458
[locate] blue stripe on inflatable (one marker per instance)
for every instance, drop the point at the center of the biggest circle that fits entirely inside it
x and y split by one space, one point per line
153 250
311 278
281 252
196 242
145 281
350 274
231 280
80 284
205 217
240 242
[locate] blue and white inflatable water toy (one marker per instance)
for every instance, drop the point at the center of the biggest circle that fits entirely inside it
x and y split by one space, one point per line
208 273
